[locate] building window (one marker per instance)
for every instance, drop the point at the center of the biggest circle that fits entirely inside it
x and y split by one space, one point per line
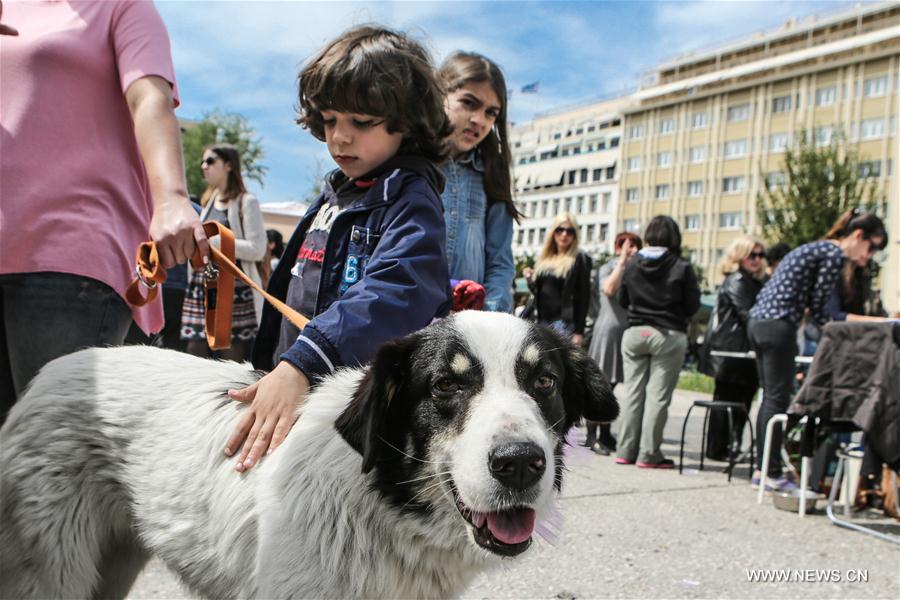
544 206
664 159
598 174
584 176
823 135
607 199
601 145
735 148
692 222
695 188
870 168
604 231
630 225
698 154
875 87
730 220
556 206
871 129
778 142
610 173
520 236
579 131
531 237
632 195
733 185
776 180
576 150
781 104
614 142
593 201
572 176
740 112
635 132
662 191
699 120
590 232
826 96
667 126
634 163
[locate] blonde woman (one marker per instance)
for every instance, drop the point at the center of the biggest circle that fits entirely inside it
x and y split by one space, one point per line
227 201
560 281
744 267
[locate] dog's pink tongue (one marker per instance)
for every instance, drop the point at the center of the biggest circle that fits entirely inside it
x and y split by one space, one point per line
511 526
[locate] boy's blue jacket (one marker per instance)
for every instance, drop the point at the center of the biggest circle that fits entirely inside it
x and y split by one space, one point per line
395 234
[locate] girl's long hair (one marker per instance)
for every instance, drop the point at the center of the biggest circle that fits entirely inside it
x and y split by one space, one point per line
551 260
460 69
234 186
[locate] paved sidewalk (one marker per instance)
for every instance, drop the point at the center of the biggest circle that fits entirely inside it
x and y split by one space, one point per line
635 533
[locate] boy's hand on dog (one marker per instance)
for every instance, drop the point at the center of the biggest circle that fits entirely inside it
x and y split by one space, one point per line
273 409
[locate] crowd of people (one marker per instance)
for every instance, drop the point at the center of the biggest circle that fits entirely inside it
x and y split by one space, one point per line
421 198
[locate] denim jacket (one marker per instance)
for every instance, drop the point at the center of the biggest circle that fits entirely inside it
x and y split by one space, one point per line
479 234
390 244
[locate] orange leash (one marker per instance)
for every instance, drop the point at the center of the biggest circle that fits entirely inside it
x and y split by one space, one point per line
218 283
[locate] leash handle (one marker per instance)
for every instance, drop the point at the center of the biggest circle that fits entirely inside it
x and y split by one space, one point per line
219 284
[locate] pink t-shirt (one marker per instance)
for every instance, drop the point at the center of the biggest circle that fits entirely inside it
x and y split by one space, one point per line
74 196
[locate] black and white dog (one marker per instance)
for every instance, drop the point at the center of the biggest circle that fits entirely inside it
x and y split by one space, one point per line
403 479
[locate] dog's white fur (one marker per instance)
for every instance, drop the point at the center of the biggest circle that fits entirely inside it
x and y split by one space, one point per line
116 454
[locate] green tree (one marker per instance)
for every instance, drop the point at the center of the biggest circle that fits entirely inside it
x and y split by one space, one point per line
818 184
217 127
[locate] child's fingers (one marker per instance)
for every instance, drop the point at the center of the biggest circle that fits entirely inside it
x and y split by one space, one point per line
248 445
261 443
281 430
240 432
244 395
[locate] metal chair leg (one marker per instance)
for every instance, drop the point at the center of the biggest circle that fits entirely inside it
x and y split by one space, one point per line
829 508
703 436
730 443
767 446
683 429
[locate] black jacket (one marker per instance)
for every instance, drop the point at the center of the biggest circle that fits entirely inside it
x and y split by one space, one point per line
661 292
727 330
576 298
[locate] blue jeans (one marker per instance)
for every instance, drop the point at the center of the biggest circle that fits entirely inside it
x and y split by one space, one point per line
46 315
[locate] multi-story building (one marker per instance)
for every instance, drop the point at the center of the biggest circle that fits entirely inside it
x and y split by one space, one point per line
567 161
705 129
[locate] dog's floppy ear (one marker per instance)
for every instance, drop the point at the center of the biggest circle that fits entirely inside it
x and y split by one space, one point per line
364 423
587 392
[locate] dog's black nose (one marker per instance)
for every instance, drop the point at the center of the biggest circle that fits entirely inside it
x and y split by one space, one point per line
519 465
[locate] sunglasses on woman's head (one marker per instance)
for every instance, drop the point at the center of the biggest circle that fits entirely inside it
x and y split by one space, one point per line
569 230
756 255
209 161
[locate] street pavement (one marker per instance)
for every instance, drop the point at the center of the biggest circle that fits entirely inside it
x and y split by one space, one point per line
637 533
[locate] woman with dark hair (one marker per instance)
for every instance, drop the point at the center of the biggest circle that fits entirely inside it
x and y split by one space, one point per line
807 278
744 267
660 291
478 203
227 201
606 341
561 280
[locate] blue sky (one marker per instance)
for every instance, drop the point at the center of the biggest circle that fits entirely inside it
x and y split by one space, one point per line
244 56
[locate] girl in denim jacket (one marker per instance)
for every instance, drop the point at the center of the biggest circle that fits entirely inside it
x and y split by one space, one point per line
478 203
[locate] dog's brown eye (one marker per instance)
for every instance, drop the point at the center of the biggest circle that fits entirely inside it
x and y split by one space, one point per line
545 382
446 386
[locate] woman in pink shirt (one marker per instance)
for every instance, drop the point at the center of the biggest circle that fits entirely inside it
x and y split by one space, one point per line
91 166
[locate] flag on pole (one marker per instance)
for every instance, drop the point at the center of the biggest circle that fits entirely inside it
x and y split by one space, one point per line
531 88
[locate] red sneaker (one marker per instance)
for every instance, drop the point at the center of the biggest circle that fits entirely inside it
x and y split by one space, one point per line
623 461
665 463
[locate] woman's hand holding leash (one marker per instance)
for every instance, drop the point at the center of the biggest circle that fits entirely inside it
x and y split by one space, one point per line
273 400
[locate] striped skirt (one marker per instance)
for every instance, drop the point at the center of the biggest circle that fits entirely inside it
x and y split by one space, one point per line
193 314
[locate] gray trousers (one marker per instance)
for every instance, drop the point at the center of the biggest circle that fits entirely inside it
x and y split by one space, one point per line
651 359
